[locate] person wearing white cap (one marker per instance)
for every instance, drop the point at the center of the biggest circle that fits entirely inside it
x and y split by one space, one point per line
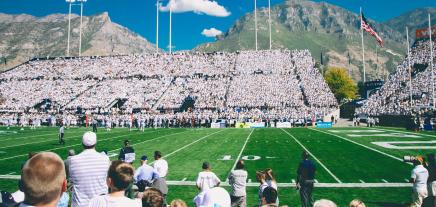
88 172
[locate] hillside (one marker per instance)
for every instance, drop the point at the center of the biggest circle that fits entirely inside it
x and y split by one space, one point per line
25 36
415 19
319 27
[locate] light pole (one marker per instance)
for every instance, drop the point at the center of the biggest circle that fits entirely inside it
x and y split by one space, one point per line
157 26
255 22
70 2
269 21
80 29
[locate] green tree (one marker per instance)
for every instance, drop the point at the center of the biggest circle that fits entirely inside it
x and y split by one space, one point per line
341 84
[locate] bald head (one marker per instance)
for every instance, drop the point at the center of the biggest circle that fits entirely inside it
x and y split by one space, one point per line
43 178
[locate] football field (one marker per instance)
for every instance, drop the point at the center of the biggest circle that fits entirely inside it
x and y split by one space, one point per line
358 162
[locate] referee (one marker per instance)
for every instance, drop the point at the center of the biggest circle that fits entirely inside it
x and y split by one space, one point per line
61 135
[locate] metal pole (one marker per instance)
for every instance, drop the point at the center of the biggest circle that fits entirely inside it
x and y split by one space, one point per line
363 47
69 26
408 62
255 21
157 26
171 14
269 20
431 61
80 33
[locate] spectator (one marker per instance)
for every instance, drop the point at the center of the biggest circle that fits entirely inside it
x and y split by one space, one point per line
269 197
216 196
178 203
88 172
306 179
160 165
152 197
71 153
161 185
419 179
356 203
207 179
261 178
127 153
144 175
120 177
431 167
238 182
271 181
324 203
43 180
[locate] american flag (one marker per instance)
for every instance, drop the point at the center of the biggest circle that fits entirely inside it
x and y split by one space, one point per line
367 27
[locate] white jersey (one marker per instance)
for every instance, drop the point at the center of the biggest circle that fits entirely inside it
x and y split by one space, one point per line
420 174
207 180
161 167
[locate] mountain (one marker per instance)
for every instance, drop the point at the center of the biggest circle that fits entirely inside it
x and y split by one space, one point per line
415 19
321 28
24 36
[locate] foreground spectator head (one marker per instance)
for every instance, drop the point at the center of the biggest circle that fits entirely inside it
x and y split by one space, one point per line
157 155
356 203
205 166
324 203
152 197
71 152
120 175
216 197
43 179
240 165
269 196
178 203
89 140
305 155
260 176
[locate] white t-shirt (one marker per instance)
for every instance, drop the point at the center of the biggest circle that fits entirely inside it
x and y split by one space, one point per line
420 174
207 180
109 201
161 167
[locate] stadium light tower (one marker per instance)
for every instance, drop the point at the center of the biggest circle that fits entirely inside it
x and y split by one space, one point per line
255 22
269 21
431 61
80 29
171 26
157 26
70 2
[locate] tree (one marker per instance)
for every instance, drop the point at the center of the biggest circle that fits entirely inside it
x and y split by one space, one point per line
341 84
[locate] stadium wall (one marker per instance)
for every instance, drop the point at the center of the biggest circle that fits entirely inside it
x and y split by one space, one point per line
405 121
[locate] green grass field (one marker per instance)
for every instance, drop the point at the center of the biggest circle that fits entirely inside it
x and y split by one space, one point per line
349 164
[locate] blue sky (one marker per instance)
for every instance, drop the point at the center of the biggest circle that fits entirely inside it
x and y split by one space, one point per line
140 15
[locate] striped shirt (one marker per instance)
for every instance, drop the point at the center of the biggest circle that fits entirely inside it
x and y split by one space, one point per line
88 172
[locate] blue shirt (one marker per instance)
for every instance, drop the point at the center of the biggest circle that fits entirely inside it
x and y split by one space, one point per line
145 172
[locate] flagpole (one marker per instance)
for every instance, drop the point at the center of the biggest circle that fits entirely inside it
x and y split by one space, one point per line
363 47
376 61
269 20
410 69
255 21
431 61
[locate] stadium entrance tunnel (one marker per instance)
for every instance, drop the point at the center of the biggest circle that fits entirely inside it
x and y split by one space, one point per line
188 103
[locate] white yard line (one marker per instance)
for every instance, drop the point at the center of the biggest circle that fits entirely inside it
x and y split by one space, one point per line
385 181
407 180
182 148
98 140
414 133
362 145
361 181
298 142
239 155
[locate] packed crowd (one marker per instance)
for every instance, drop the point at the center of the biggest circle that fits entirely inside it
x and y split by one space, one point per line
272 84
90 179
394 97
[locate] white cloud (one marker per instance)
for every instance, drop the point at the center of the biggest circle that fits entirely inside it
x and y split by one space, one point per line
212 32
211 8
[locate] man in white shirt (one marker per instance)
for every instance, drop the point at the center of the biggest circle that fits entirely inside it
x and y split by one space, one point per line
88 172
419 179
207 179
238 182
119 178
160 165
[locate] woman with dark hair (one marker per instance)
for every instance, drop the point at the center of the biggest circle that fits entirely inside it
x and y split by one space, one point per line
261 178
271 181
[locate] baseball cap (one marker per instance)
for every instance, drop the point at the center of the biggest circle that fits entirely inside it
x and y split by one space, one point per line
89 139
144 157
